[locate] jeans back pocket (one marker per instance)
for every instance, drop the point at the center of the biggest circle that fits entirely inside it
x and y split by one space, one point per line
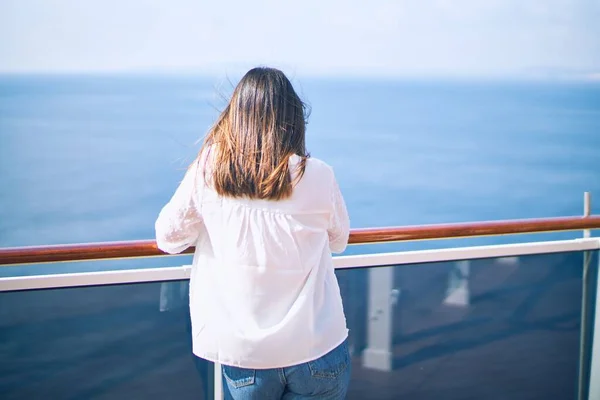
332 364
239 377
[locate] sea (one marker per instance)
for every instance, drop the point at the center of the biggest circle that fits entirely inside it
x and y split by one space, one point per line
93 158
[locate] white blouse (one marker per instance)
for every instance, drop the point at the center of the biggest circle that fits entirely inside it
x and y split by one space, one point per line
263 293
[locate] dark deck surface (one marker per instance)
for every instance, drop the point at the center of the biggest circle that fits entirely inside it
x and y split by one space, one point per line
517 338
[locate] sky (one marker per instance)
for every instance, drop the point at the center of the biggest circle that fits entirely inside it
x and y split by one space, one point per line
309 37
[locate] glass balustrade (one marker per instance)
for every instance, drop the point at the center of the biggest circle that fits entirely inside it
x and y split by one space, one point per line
494 328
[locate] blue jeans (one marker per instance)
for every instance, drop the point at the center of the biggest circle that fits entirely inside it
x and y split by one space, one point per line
326 378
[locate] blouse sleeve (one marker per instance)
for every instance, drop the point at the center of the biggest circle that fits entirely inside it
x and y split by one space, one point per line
179 222
339 222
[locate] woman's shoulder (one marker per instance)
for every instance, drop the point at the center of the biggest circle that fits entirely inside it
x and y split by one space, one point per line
318 165
317 170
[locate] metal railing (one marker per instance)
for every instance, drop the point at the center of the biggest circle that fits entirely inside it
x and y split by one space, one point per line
148 248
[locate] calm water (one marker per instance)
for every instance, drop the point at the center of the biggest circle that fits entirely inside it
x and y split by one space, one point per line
94 158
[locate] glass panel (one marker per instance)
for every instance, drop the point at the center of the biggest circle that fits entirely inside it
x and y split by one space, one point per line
493 329
109 342
485 329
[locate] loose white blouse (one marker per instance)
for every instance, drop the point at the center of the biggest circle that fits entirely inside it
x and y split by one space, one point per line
263 293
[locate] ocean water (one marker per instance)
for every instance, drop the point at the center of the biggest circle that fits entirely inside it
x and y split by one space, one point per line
94 158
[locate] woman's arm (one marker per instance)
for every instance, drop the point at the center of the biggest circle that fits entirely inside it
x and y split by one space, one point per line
339 222
179 222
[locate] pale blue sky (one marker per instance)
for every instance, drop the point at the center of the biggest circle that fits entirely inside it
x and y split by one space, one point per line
309 37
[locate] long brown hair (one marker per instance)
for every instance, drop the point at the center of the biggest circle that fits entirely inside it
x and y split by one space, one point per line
261 127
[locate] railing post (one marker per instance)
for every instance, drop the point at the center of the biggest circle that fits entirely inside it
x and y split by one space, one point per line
584 335
381 298
218 382
457 293
587 208
594 374
583 330
591 376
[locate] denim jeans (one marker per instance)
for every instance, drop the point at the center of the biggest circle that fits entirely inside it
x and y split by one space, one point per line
326 378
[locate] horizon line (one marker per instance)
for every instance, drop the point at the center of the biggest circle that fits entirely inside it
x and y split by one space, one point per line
542 75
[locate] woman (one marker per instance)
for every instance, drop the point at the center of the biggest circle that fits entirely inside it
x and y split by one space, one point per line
264 217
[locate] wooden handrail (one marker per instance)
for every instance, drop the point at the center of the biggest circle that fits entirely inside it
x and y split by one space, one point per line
147 248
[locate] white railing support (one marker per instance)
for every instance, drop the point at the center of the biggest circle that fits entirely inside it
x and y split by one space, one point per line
587 211
218 382
379 353
594 388
457 293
